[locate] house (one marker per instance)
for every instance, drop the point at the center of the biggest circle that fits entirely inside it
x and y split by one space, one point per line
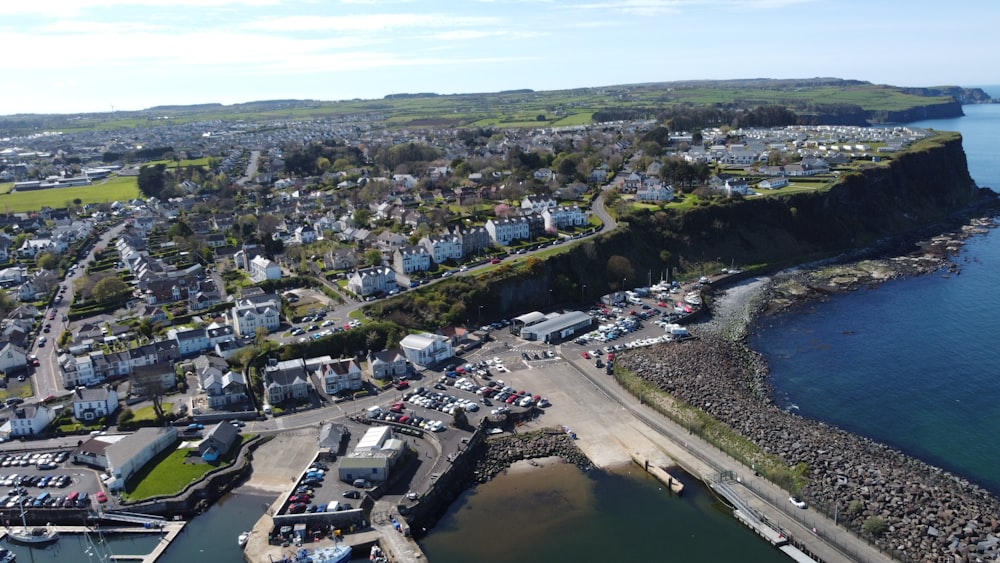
217 441
556 218
249 314
543 175
262 269
93 404
426 349
388 364
12 358
223 388
537 204
130 454
504 231
190 341
340 375
306 234
341 259
736 186
286 380
474 240
655 192
389 241
28 421
409 259
372 281
773 183
443 247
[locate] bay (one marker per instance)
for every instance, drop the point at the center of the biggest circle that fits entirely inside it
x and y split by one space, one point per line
913 363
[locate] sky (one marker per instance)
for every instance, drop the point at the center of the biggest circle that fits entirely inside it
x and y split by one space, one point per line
69 56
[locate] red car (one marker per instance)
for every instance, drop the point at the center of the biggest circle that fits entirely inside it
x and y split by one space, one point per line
585 355
52 315
297 509
101 497
299 499
495 261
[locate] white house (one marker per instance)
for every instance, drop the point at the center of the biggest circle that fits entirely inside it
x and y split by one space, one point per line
29 420
503 231
249 314
426 349
190 341
655 192
92 404
443 247
370 281
773 183
306 234
262 269
340 375
286 380
12 358
563 217
537 204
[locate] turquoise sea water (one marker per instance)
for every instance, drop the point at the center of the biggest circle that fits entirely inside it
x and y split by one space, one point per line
914 363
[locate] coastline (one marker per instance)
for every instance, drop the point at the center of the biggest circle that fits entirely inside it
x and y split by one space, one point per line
928 513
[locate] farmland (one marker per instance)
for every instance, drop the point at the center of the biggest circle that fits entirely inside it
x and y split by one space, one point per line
117 188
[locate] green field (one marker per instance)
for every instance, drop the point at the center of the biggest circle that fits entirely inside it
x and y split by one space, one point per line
116 188
553 108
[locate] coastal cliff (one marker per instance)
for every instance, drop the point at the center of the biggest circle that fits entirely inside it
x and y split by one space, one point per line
915 189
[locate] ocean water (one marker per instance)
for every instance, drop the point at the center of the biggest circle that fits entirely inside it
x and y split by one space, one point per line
914 363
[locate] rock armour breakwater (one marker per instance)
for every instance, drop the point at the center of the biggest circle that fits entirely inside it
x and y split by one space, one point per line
501 451
930 514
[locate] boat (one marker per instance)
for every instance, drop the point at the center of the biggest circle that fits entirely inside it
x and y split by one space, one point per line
7 556
37 535
332 554
243 539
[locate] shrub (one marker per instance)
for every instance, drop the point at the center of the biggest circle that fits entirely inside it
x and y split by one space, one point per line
874 525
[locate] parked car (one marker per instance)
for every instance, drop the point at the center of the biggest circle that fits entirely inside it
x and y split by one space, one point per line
352 494
797 501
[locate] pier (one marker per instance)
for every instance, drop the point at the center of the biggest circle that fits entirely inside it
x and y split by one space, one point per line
167 530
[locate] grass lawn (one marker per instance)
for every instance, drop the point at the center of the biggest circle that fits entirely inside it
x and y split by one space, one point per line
116 188
169 473
147 413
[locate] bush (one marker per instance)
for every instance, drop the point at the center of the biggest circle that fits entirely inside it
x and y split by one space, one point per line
874 526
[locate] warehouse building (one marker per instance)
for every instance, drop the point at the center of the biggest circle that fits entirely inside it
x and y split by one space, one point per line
558 327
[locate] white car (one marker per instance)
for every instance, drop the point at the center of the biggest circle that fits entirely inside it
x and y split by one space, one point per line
797 501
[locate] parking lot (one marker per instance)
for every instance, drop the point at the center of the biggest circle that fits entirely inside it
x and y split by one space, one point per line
47 480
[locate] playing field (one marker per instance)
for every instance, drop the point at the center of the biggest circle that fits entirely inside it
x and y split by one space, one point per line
116 188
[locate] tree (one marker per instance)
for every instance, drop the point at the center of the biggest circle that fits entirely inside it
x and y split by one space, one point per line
619 268
373 257
47 261
148 384
109 289
260 336
874 526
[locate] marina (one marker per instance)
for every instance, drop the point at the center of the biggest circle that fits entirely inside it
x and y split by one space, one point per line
165 534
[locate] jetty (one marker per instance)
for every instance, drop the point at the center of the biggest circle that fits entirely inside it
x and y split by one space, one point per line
672 483
167 530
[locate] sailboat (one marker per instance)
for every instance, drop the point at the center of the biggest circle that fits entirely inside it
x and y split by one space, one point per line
32 536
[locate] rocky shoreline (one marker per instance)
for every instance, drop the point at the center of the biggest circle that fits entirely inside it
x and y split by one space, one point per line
928 514
500 452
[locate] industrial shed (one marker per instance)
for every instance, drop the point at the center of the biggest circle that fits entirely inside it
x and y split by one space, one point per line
558 327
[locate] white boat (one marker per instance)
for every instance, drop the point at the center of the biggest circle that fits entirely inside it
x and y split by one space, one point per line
7 556
36 535
243 539
333 554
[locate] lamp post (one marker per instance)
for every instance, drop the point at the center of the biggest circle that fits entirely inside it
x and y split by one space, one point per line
583 292
480 314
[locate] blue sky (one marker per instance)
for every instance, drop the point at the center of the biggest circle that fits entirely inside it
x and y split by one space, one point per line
63 56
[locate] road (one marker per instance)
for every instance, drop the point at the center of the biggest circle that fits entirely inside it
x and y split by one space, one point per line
48 377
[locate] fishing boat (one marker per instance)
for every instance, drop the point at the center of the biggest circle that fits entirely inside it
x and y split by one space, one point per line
337 553
243 539
32 536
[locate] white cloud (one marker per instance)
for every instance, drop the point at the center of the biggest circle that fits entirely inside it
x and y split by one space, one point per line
366 22
66 8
